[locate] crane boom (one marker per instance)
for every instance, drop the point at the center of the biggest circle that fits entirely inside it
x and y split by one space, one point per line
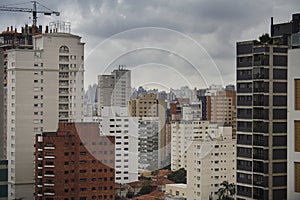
33 10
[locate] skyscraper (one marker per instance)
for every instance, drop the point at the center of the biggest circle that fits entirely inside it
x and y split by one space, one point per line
114 89
44 87
262 113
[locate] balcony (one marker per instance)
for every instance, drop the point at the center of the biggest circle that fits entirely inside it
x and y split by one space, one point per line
49 175
49 193
61 99
63 107
63 91
49 184
49 148
49 157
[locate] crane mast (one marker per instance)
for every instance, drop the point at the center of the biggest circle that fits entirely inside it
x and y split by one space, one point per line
32 10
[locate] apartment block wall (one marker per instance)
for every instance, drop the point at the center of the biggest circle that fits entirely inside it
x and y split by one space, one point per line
74 162
293 169
42 90
211 161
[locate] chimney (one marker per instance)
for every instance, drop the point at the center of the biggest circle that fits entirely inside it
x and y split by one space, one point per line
272 26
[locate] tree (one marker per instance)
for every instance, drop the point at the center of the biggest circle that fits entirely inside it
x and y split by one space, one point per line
227 191
178 176
145 189
265 38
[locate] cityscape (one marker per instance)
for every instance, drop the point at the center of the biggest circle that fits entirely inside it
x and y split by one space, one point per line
134 116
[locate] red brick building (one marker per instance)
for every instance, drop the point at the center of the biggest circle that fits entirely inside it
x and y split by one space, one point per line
74 163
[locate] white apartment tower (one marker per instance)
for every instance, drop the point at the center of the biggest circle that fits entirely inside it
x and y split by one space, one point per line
293 128
115 122
210 161
183 132
45 87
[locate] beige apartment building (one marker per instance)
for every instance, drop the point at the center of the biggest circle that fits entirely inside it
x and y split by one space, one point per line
45 87
221 106
183 132
210 161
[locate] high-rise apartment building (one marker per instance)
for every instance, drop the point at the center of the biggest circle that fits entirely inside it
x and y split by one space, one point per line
262 113
11 39
115 122
148 146
210 161
183 132
293 129
221 105
147 105
44 87
74 162
114 89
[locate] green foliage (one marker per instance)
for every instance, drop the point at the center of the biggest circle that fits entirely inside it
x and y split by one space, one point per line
227 191
145 189
178 176
265 38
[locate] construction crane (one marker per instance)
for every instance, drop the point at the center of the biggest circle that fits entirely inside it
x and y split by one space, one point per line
33 10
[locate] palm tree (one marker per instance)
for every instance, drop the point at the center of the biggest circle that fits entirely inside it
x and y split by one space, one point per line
227 191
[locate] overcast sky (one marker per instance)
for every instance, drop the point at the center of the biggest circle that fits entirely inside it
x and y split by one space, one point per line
166 43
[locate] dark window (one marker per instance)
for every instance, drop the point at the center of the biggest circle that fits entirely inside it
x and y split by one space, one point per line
244 139
279 167
279 181
279 127
279 114
279 60
244 126
279 194
280 74
279 154
279 50
244 100
279 87
244 48
279 140
244 113
279 100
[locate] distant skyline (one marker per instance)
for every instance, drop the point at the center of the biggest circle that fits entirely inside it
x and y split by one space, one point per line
165 43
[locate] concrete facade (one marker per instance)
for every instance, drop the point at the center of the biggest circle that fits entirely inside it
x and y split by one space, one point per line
114 89
74 162
210 161
293 118
45 87
115 122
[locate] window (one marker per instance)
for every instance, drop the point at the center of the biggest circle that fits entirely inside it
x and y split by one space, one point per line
297 94
297 177
63 49
297 135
